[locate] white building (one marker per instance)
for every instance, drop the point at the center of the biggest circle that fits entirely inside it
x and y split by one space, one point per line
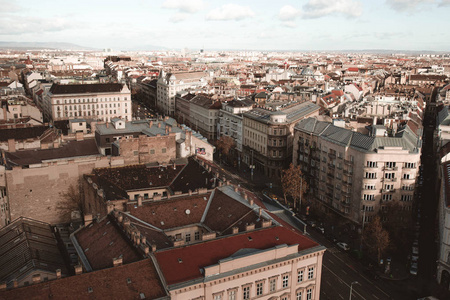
170 83
99 101
230 119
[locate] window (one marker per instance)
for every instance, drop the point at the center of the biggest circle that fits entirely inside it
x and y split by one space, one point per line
218 297
197 235
285 281
232 295
273 285
246 293
387 197
390 164
300 276
310 272
371 164
368 197
309 294
298 296
152 151
410 165
389 175
369 175
188 237
163 150
407 176
369 187
259 289
389 187
406 198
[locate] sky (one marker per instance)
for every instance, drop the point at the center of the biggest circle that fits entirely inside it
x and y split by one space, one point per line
242 25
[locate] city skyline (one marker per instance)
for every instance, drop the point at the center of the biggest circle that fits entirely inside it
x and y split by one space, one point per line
263 25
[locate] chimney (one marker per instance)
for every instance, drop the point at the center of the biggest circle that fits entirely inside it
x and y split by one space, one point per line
58 273
55 144
36 278
15 283
79 136
167 129
139 201
107 124
159 124
153 248
260 212
249 227
208 236
235 229
87 219
190 193
251 201
78 269
11 145
267 223
3 286
143 239
120 218
235 188
150 124
126 222
117 261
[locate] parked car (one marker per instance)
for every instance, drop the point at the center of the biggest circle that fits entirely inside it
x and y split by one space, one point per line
343 246
415 250
312 223
413 268
321 229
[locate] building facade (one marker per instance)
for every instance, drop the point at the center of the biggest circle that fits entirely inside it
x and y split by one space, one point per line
268 135
356 175
443 263
170 83
96 101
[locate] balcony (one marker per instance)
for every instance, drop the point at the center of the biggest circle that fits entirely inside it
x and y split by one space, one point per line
390 168
329 185
348 173
348 162
330 175
331 166
408 179
389 179
332 155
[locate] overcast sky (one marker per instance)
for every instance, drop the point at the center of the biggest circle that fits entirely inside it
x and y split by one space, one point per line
243 24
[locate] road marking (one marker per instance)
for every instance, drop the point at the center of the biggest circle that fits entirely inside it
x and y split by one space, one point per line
331 262
375 296
344 272
344 283
329 283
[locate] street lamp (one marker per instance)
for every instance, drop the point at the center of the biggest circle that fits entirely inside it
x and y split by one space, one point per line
351 288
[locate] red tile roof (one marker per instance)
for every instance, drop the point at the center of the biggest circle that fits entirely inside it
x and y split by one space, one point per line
122 282
102 241
197 256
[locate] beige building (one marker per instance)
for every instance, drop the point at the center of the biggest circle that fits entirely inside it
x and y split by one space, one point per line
268 134
356 175
170 83
96 101
443 263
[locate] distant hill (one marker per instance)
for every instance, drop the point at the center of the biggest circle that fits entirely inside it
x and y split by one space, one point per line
42 45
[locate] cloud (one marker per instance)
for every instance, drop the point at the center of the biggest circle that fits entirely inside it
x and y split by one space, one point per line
184 6
9 6
289 13
10 26
444 3
178 17
230 12
321 8
408 5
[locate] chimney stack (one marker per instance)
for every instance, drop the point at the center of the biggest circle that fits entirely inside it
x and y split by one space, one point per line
11 145
150 124
15 283
146 249
107 124
87 219
139 201
249 227
3 286
235 229
143 239
78 269
153 248
58 273
117 261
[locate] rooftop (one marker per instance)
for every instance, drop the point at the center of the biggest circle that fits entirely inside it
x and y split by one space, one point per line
61 89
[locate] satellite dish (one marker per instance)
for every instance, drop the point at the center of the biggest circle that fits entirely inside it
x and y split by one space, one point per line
188 211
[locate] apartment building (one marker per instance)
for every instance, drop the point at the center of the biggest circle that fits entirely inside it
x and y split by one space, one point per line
354 174
268 134
96 101
443 263
169 84
231 119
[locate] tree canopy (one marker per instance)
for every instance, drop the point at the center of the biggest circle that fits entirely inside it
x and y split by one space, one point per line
293 184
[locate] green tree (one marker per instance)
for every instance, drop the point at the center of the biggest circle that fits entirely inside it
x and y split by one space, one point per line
293 184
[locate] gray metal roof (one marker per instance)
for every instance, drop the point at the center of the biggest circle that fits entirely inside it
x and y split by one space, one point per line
404 138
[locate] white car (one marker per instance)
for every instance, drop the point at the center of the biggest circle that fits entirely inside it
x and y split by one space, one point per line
343 246
413 269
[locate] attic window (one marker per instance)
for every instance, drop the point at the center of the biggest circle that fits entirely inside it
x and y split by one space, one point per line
111 243
107 223
90 290
204 198
142 295
128 280
104 233
174 209
250 238
86 250
162 222
219 208
277 238
180 260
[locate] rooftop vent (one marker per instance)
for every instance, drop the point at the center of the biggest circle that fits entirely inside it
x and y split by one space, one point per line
188 212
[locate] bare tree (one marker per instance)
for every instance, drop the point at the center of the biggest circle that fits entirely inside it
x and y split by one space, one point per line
73 200
376 237
225 144
293 184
